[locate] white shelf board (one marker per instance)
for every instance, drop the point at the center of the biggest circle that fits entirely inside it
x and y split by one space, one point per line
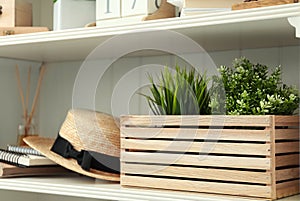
80 186
252 28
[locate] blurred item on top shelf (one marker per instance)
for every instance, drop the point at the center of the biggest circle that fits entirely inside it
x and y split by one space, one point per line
68 14
196 7
16 18
261 3
124 12
6 31
15 13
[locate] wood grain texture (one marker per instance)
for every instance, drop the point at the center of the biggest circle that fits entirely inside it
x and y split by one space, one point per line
205 134
286 174
261 3
287 134
197 173
288 188
287 160
186 159
287 147
287 121
196 120
199 147
273 161
198 186
166 146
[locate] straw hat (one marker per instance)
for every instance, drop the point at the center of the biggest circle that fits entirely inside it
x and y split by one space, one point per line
84 132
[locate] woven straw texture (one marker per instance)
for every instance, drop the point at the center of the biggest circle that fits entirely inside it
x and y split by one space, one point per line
85 130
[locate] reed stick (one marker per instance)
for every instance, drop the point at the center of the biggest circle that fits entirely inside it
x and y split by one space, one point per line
28 92
20 90
37 92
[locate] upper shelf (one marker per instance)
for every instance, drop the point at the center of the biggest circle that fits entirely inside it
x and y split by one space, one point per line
80 186
252 28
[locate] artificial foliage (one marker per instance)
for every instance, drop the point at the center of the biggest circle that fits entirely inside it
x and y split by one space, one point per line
181 93
249 89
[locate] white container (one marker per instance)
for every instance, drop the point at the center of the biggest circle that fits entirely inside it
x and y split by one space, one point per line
123 12
69 14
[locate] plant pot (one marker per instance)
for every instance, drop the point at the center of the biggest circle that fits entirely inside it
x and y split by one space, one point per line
73 13
256 156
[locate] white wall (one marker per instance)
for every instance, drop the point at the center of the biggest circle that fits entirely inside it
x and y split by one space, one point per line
56 95
41 10
10 104
57 87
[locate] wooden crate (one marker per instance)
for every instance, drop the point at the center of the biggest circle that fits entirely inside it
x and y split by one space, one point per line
15 13
256 156
261 3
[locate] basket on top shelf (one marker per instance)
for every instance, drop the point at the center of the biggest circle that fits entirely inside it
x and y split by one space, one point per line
261 3
245 155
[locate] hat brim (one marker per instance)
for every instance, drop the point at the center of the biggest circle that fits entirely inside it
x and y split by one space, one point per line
43 145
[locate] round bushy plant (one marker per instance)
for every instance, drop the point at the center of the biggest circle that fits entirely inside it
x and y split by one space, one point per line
251 90
181 93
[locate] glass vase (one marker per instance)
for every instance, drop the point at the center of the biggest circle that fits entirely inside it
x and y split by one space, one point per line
25 131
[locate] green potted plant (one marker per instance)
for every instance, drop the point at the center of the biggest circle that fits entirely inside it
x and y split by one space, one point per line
244 150
184 93
251 90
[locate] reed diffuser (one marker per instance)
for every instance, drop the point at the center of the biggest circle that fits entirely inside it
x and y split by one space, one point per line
27 127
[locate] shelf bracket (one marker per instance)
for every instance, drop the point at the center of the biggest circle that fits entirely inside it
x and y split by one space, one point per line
295 22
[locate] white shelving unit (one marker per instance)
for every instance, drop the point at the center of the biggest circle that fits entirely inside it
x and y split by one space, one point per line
84 187
268 27
246 29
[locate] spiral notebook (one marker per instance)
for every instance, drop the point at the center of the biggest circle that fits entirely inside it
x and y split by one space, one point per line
23 150
21 159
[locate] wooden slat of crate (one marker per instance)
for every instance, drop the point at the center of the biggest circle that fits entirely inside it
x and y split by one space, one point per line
147 133
198 147
287 188
287 147
186 159
286 174
191 120
208 134
287 121
197 173
287 134
198 186
261 3
287 160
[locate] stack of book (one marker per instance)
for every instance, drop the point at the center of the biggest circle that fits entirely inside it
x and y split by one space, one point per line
199 7
22 161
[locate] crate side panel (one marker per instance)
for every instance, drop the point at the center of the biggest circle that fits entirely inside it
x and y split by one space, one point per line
197 147
199 160
196 120
207 134
288 188
197 173
197 186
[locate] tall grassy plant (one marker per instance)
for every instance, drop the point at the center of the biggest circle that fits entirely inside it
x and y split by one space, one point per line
184 93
